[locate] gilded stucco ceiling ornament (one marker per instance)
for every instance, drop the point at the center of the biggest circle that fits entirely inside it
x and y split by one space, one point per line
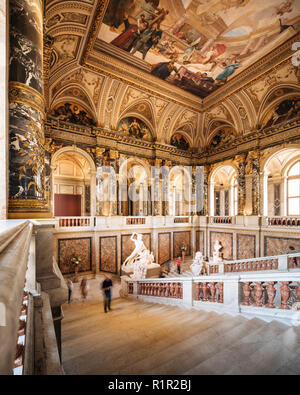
52 146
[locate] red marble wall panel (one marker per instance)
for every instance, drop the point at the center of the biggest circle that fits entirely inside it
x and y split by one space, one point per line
226 240
179 239
127 246
68 248
246 246
108 254
164 247
280 245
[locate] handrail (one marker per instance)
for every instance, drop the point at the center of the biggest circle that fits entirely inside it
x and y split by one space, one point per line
283 221
13 266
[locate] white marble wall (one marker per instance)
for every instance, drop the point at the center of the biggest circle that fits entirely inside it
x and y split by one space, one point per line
3 110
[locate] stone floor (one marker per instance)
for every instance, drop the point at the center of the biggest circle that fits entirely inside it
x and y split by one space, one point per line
140 338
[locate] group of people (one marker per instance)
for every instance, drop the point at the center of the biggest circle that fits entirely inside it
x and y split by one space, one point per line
178 265
142 35
106 286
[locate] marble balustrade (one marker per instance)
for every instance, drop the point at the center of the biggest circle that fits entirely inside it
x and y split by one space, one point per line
272 295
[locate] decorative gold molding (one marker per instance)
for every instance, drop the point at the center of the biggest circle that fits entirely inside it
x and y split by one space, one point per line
24 94
27 205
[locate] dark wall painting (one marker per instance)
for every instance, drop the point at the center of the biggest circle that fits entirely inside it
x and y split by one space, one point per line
73 113
178 141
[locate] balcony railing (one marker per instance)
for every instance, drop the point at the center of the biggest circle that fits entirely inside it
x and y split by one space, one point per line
135 220
181 220
282 221
75 222
266 295
221 220
271 263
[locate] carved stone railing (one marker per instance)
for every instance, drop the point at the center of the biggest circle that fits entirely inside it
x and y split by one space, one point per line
135 220
252 265
271 295
221 220
282 221
161 289
271 263
209 292
130 288
75 222
181 220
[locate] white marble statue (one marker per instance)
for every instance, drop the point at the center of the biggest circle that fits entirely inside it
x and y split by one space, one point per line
217 258
139 248
197 264
140 260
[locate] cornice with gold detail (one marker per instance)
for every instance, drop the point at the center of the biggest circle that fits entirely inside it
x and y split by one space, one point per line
112 67
67 30
67 6
95 26
24 94
259 140
27 205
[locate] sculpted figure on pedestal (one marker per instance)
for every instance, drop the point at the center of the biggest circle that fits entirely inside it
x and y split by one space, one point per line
197 264
140 260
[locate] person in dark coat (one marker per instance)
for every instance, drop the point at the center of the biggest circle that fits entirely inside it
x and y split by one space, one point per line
130 35
106 287
164 69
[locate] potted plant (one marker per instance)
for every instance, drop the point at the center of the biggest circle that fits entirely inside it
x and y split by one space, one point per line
76 262
183 250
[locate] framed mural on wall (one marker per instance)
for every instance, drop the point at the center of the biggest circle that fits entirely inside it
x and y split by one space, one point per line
136 128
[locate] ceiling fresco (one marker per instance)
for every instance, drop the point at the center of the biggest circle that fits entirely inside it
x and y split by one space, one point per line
197 45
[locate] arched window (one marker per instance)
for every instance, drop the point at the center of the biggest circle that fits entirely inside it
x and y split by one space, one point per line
293 189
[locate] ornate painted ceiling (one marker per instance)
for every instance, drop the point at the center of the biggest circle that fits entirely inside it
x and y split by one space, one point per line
96 82
196 45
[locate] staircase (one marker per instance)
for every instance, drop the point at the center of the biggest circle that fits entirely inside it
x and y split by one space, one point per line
185 269
143 338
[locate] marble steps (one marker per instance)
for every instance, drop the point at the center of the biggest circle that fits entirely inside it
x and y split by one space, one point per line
144 338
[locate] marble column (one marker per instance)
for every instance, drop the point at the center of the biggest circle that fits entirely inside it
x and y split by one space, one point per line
204 210
26 108
240 159
99 180
114 158
254 155
3 111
